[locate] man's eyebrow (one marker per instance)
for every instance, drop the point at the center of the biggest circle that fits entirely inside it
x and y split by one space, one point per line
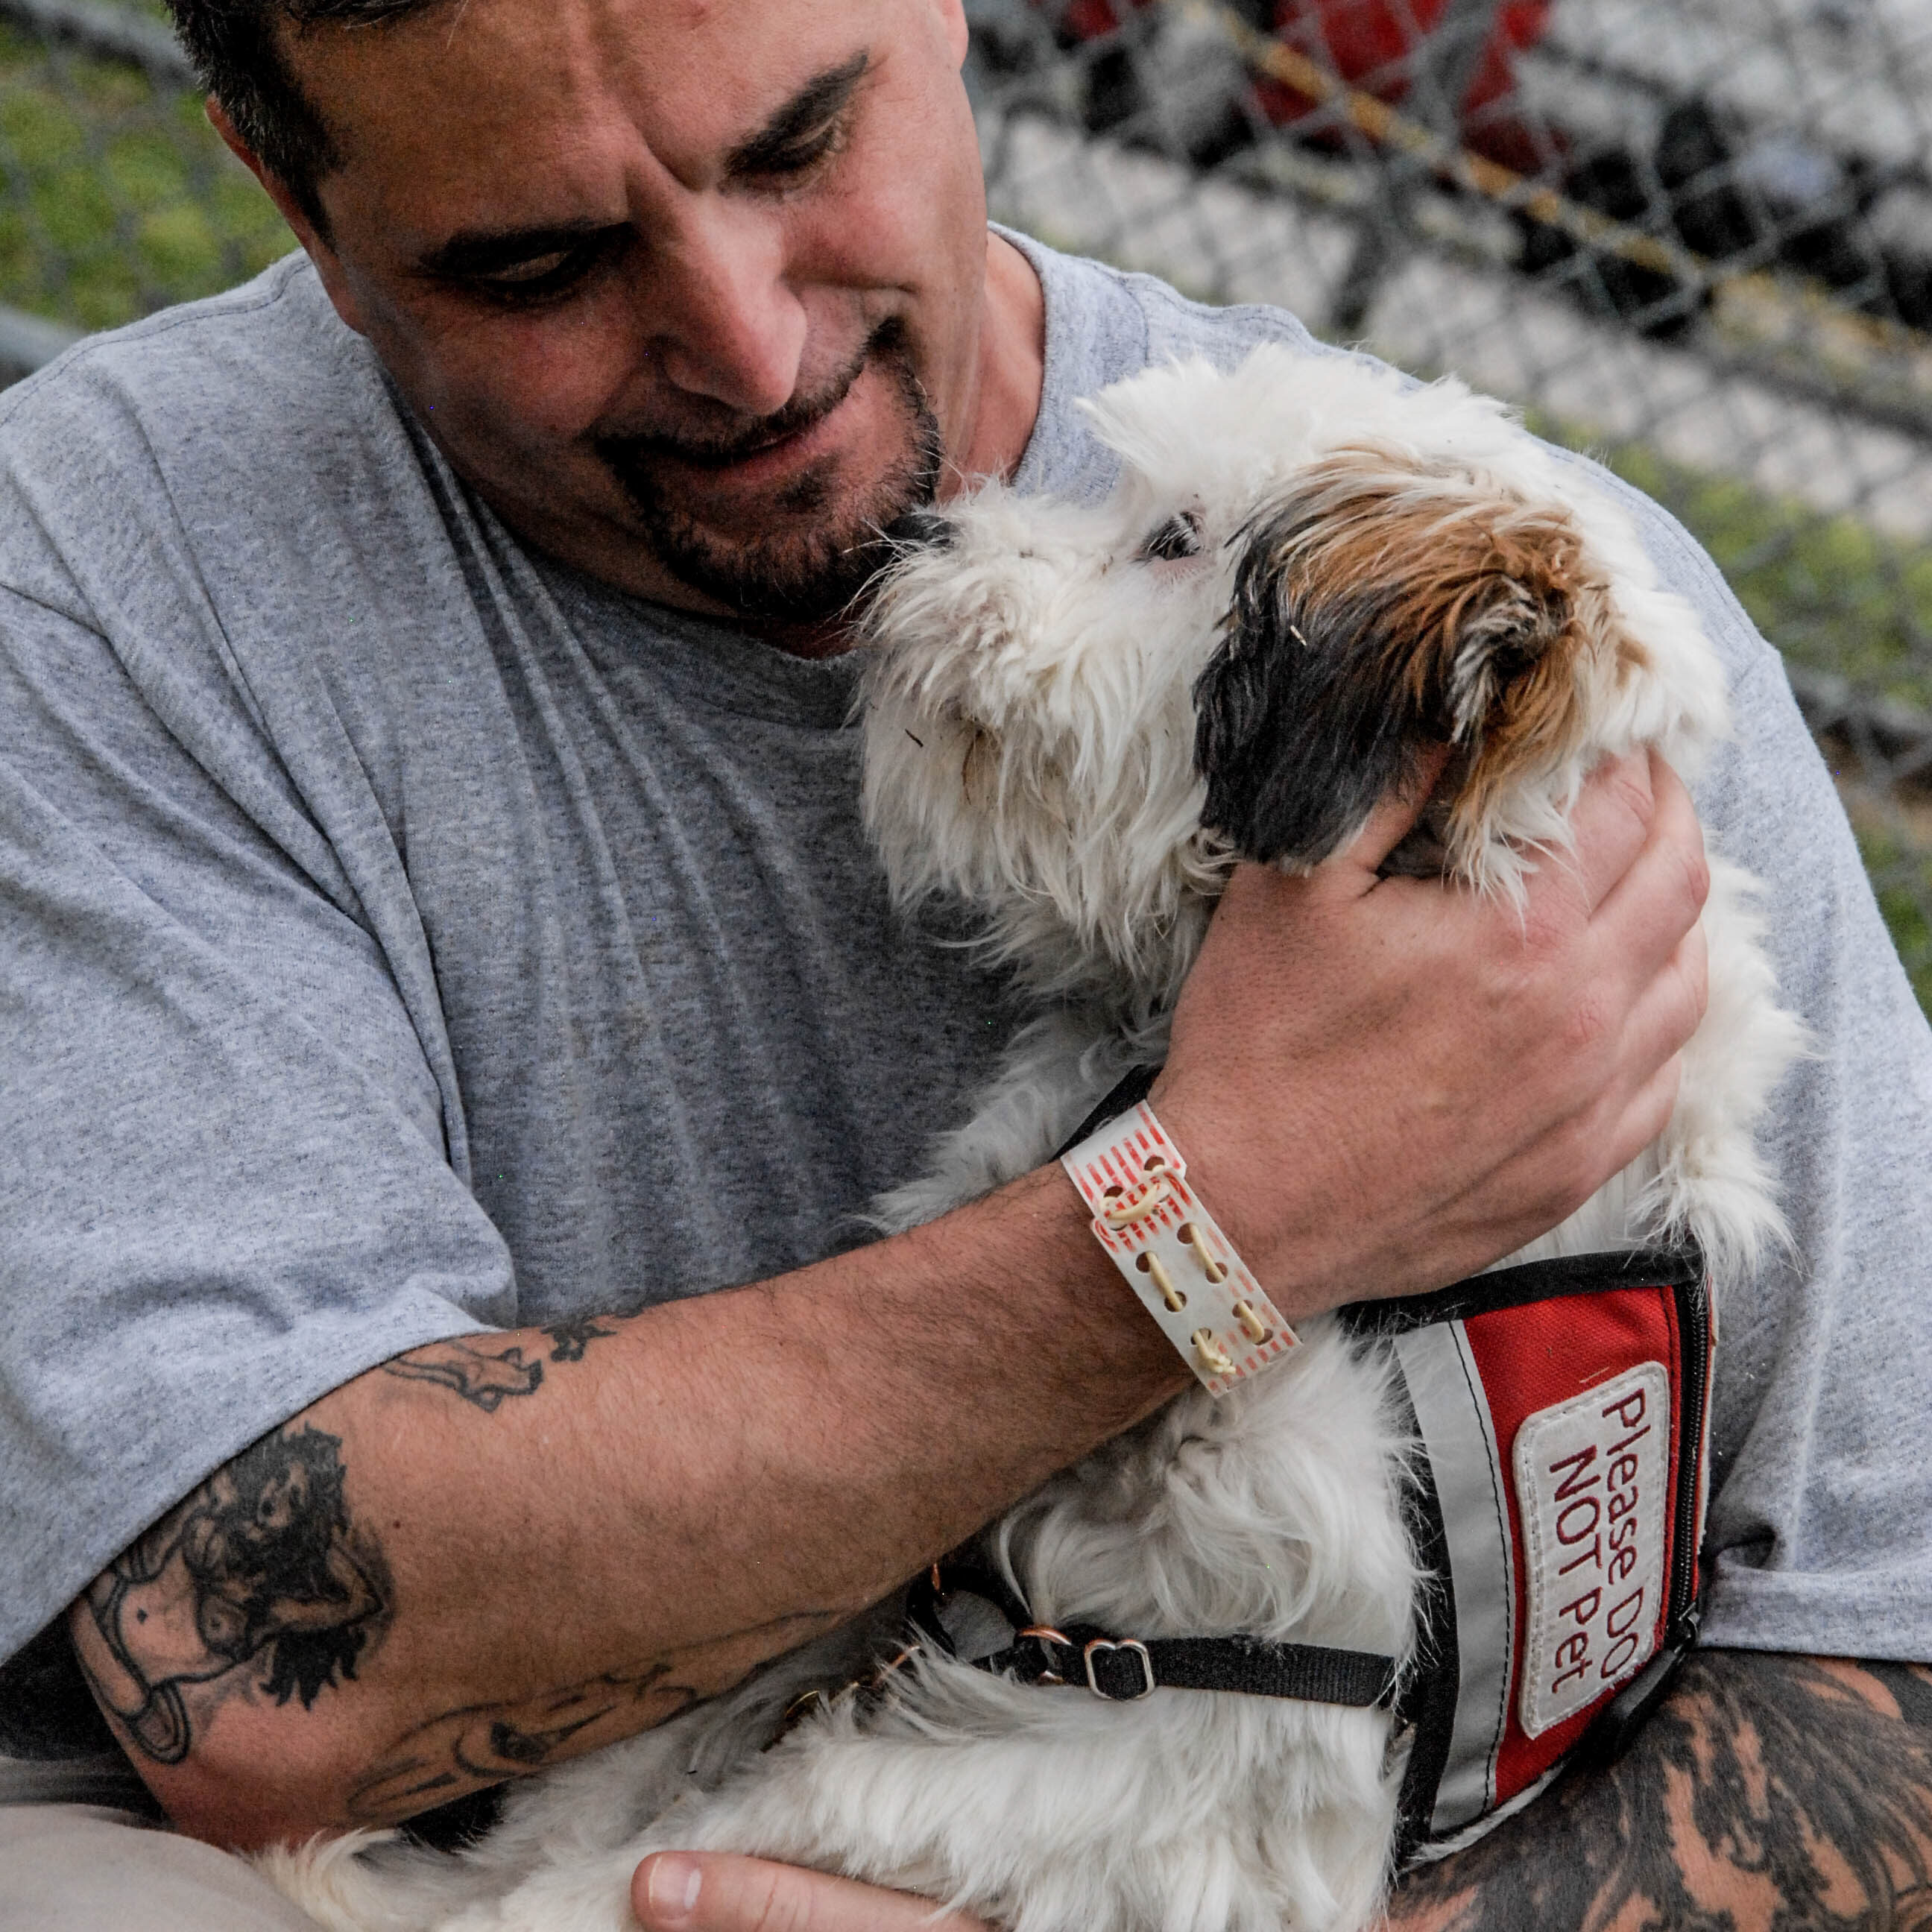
775 146
483 251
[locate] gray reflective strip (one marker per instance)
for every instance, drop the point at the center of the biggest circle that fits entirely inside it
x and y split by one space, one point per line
1455 1424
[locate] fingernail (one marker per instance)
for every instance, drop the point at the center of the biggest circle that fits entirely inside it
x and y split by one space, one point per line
671 1890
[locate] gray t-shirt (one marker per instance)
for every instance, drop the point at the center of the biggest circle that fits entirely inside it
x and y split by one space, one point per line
401 935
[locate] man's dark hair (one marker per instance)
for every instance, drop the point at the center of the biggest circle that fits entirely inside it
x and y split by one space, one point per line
237 47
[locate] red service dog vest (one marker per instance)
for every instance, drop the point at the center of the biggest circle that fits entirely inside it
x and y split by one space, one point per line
1563 1408
1562 1412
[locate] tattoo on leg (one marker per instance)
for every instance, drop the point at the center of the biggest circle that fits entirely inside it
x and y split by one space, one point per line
260 1570
1776 1793
481 1379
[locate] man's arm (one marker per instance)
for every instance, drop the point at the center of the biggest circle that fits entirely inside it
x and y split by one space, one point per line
1767 1794
499 1550
493 1552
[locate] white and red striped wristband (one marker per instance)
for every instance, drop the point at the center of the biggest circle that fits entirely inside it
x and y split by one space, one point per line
1171 1254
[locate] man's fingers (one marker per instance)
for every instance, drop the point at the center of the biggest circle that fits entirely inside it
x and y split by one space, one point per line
1646 1115
1658 900
1394 818
1667 1012
1613 821
718 1891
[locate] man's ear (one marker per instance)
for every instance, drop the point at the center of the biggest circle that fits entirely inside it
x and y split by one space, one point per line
953 24
328 263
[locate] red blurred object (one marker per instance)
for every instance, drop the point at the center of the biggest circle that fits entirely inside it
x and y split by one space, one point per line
1088 19
1373 45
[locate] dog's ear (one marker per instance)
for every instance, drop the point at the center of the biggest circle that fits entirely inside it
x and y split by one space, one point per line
1379 608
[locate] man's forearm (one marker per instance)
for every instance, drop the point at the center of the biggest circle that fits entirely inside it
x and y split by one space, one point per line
1769 1792
494 1552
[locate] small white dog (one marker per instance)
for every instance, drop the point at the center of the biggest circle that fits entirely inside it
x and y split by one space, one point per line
1078 719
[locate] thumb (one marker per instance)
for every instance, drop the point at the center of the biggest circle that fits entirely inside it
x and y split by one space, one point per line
719 1891
1394 819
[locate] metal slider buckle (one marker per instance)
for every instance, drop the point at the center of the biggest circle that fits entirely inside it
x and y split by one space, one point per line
1139 1649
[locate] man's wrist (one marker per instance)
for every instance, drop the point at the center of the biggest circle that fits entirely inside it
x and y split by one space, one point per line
1218 1171
1175 1257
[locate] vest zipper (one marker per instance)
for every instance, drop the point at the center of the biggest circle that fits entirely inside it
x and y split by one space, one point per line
1614 1727
1693 1334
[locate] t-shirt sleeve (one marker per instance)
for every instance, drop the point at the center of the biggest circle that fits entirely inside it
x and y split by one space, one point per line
1821 1518
228 1184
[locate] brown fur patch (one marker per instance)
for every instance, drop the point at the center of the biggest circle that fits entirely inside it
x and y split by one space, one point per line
1474 612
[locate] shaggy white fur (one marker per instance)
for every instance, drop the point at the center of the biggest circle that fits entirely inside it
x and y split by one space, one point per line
1030 740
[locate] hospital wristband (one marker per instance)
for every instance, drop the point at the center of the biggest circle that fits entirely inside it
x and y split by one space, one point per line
1171 1253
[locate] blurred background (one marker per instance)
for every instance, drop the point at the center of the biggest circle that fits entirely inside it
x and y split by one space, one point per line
1693 237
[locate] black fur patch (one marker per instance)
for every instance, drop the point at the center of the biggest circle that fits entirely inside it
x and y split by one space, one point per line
1296 729
1421 624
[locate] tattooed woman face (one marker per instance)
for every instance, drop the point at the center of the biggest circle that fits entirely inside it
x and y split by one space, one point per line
258 1568
263 1541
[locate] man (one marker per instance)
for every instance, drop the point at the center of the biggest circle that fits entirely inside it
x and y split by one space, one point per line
439 928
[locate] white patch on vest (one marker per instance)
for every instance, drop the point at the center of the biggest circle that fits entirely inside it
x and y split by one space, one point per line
1590 1475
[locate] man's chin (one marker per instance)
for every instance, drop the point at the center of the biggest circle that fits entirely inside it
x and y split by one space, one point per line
797 547
804 579
791 554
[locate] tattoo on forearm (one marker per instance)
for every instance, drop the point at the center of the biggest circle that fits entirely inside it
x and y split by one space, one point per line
1776 1793
463 1750
258 1580
487 1378
483 1744
568 1340
481 1379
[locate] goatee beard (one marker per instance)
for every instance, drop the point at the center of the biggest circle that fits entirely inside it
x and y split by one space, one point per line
788 576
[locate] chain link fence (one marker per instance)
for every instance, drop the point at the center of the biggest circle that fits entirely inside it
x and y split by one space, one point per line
1693 236
116 197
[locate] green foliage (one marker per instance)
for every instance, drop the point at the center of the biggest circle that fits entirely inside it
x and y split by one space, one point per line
116 198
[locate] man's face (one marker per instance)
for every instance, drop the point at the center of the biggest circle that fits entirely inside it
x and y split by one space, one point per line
690 290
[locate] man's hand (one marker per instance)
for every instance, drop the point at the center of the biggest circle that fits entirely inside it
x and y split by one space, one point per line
1382 1084
683 1891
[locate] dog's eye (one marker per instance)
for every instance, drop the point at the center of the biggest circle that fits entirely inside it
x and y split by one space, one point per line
1178 537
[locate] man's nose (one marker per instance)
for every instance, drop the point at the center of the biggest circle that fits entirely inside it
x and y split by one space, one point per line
725 324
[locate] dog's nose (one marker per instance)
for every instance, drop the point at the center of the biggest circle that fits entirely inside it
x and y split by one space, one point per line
923 528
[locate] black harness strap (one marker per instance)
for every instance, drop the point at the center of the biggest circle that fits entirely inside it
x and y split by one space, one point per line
1527 1281
1129 1090
1123 1668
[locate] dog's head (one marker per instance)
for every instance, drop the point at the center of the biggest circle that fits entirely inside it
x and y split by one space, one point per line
1380 606
1307 573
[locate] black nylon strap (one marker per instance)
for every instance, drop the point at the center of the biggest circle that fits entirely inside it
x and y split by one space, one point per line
1528 1281
1310 1672
1129 1090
